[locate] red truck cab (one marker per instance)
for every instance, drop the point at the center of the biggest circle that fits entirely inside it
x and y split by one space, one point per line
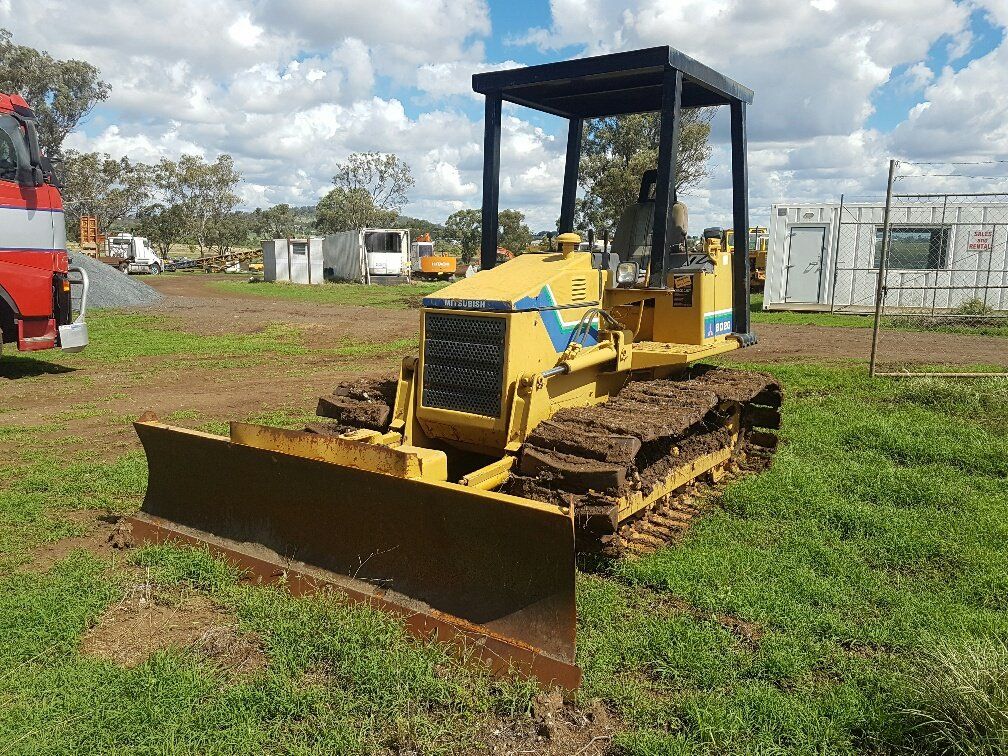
36 282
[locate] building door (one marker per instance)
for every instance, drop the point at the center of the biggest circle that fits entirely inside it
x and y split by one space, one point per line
806 251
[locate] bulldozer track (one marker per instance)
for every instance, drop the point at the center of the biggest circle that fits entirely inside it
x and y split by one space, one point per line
596 459
669 520
623 465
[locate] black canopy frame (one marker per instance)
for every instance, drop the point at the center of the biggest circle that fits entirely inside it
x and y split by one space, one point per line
656 79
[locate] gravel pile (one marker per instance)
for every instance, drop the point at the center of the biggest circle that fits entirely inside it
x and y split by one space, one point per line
110 288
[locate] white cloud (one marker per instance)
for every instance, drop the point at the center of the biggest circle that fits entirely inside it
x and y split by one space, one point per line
404 34
290 87
815 67
244 33
455 78
139 147
917 76
812 76
997 10
965 115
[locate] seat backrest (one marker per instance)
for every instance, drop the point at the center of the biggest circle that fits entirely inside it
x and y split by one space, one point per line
632 238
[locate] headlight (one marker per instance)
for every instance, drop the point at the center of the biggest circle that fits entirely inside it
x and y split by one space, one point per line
627 273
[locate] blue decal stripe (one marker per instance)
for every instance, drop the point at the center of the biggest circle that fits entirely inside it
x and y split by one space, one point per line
559 331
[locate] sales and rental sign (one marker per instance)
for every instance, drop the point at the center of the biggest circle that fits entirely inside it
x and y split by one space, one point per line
981 240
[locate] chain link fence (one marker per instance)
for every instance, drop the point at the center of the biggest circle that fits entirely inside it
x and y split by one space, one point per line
939 277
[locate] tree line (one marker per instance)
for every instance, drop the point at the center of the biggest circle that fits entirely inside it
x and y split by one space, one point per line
185 201
371 188
193 202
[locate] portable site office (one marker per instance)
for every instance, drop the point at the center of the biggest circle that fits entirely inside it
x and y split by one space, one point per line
944 253
368 255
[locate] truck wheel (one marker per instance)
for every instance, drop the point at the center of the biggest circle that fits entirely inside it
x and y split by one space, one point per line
155 269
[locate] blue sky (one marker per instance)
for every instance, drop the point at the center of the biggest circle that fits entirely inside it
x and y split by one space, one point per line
894 99
290 87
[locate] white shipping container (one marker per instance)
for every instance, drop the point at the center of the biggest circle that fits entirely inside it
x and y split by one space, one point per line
369 255
942 256
293 260
275 267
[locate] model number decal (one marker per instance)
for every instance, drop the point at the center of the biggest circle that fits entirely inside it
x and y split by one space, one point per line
717 323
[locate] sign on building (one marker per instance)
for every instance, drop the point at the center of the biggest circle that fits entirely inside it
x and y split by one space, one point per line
981 240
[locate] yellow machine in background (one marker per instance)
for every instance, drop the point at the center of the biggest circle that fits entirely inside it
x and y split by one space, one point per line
555 401
758 243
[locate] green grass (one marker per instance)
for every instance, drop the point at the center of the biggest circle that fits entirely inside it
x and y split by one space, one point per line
339 679
759 315
880 527
120 339
920 323
391 297
959 698
791 620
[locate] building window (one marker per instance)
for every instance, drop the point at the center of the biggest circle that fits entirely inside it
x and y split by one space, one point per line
914 247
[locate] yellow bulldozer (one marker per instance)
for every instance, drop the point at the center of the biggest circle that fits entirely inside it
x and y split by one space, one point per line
759 241
557 403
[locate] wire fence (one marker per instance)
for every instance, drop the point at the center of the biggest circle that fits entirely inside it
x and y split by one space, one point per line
938 280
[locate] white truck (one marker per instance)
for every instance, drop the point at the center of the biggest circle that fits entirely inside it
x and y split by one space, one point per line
368 255
133 254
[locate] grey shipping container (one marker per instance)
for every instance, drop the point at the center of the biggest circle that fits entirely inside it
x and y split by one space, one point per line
344 257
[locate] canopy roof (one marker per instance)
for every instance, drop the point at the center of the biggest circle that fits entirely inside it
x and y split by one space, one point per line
605 85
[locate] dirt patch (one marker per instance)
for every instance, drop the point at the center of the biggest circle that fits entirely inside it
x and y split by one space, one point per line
230 390
104 534
202 308
148 619
556 728
779 342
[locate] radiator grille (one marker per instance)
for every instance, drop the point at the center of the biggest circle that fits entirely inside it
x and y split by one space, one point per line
463 363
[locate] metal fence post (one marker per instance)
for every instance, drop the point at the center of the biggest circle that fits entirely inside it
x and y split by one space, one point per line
836 256
883 269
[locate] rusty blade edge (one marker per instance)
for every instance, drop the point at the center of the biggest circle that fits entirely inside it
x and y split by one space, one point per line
500 654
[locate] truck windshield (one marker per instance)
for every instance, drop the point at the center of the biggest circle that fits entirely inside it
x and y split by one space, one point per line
13 150
383 241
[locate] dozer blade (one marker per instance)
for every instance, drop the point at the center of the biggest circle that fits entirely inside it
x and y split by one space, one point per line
452 560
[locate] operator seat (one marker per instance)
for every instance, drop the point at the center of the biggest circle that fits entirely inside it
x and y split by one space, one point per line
632 238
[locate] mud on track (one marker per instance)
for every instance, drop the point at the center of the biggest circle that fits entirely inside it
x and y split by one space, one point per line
596 458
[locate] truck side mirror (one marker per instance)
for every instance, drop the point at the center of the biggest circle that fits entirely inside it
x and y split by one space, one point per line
30 175
51 171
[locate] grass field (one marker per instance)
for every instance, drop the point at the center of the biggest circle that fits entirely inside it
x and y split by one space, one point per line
791 619
336 293
121 338
410 296
846 320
